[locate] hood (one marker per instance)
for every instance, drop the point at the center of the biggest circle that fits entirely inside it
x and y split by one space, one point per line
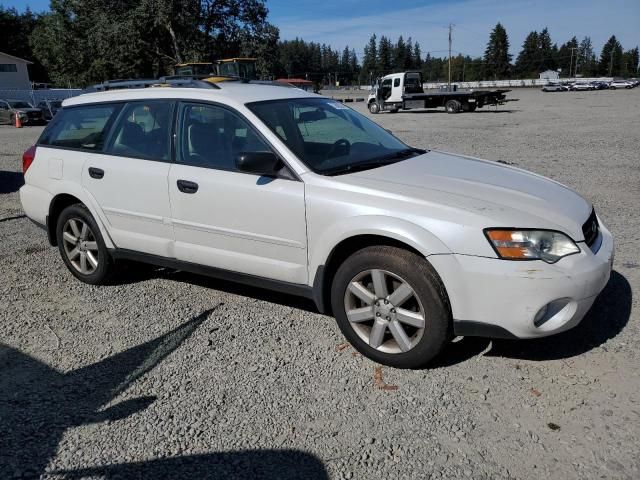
495 195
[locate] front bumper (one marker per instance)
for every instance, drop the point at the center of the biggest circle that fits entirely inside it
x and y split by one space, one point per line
495 297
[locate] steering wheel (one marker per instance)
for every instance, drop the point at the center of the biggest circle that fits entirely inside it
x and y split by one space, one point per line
342 142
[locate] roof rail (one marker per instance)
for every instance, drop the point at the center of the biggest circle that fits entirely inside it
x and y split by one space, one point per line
175 81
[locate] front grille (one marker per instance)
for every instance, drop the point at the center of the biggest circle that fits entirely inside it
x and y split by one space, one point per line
590 229
34 114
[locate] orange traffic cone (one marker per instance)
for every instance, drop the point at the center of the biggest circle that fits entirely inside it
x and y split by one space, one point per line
18 121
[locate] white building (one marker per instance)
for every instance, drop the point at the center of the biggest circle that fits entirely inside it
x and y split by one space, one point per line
549 75
13 73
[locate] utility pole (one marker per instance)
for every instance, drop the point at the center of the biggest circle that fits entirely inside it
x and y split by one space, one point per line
611 63
571 62
450 29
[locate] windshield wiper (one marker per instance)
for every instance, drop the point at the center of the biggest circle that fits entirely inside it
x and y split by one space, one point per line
376 162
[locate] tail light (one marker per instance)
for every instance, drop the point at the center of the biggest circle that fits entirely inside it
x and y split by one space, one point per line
27 158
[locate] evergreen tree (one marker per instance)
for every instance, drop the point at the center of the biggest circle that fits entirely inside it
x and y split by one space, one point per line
370 59
546 54
354 66
345 61
526 63
567 58
630 60
611 58
408 56
417 56
399 55
496 55
385 48
587 63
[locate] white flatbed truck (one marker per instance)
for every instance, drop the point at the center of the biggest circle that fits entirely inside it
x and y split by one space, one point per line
404 91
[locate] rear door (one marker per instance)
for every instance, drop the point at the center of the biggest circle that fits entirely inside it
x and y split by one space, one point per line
231 220
396 92
129 179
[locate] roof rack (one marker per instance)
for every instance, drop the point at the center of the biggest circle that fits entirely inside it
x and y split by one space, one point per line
173 81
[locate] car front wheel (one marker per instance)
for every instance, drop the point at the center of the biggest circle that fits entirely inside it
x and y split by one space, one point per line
81 246
391 306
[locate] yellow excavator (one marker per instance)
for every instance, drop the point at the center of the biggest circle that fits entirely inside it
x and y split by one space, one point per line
221 71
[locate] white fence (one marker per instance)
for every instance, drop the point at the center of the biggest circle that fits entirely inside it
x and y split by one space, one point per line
507 83
538 82
36 96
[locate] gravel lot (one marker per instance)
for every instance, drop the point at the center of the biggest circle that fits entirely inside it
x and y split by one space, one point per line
169 375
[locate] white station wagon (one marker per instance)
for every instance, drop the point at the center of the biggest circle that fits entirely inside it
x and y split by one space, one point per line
294 192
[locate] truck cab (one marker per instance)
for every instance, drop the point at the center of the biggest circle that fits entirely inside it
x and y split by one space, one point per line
391 92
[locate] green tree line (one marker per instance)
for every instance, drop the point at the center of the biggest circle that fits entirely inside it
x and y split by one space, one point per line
79 43
538 53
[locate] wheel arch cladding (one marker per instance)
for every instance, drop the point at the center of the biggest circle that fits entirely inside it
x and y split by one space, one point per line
325 273
58 204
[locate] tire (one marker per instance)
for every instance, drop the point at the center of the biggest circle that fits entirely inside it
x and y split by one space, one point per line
374 108
612 88
82 248
453 106
427 303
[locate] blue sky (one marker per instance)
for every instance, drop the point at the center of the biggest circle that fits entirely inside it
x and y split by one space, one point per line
351 22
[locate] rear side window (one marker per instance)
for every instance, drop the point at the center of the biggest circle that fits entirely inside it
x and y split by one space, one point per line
143 131
84 128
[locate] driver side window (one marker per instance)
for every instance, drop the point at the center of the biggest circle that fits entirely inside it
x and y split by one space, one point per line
212 137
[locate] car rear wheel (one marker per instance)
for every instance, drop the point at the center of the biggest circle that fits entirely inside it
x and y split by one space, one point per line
82 247
453 106
391 306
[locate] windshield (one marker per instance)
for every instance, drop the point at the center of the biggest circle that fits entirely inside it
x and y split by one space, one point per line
329 137
19 104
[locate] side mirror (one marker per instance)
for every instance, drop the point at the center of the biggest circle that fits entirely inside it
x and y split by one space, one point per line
259 163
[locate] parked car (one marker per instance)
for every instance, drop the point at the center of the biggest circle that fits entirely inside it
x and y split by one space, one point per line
555 87
620 84
600 85
49 108
29 115
581 86
283 189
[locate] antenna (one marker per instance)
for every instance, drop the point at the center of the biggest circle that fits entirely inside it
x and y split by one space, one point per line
450 30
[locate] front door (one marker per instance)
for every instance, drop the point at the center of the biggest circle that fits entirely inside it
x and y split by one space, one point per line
231 220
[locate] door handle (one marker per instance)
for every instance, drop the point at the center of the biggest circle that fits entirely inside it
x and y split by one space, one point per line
96 173
185 186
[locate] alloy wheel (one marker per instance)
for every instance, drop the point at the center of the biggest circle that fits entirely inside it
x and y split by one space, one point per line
384 311
80 246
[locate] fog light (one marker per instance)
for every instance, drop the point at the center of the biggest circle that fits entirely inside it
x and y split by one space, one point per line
539 319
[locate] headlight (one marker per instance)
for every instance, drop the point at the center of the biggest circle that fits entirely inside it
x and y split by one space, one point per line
546 245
